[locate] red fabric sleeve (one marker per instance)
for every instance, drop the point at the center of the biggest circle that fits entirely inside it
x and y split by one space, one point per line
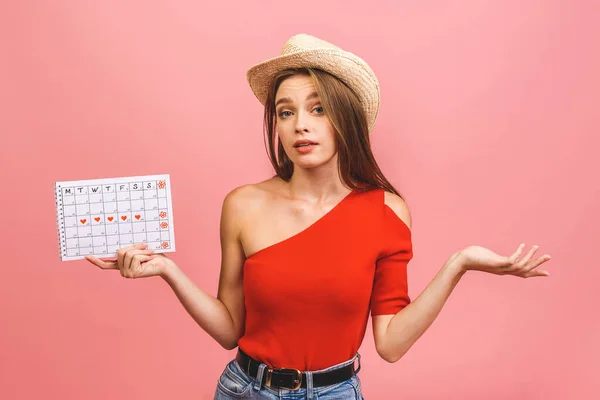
390 286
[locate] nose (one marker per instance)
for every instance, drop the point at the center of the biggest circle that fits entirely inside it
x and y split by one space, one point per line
301 125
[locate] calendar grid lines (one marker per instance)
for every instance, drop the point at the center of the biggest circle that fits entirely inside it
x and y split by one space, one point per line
146 213
117 217
104 217
131 209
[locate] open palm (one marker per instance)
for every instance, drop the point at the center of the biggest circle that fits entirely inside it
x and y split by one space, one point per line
482 259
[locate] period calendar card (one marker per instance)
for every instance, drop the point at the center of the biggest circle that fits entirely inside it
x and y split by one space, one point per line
99 216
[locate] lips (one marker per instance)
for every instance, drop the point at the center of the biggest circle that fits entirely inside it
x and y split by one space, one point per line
304 143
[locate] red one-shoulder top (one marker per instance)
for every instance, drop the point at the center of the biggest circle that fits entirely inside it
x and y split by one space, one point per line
308 297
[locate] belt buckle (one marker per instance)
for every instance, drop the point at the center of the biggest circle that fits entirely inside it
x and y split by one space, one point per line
297 380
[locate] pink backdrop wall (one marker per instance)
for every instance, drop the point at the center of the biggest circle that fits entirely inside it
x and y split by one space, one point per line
488 126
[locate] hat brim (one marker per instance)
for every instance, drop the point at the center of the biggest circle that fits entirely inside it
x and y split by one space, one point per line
347 67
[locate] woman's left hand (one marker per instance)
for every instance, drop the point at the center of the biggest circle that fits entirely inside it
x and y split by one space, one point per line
482 259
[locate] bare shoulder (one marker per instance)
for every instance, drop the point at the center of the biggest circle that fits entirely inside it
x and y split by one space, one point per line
248 194
244 201
237 199
399 206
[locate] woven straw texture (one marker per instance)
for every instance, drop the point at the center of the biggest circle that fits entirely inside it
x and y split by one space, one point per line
303 50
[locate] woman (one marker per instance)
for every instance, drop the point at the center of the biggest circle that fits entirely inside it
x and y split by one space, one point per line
308 254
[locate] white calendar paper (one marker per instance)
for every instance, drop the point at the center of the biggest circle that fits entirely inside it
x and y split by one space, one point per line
99 216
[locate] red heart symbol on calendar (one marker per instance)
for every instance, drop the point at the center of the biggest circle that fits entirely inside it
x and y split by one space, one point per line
137 216
83 221
110 218
97 219
124 217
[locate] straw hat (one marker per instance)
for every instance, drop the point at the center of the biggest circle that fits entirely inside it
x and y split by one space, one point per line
303 50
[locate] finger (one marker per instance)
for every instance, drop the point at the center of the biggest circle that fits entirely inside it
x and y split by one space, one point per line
108 264
509 265
121 252
129 257
536 272
159 253
131 253
537 262
527 257
138 246
517 253
137 268
120 255
137 260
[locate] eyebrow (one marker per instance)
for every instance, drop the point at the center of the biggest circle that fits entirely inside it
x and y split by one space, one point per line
284 100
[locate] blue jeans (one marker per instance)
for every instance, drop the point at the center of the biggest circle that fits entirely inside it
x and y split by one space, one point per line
235 383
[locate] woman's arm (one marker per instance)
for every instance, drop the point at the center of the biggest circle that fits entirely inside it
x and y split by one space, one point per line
209 312
395 334
221 317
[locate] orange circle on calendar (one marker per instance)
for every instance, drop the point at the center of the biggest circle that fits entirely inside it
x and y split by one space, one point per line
165 245
163 214
164 225
161 185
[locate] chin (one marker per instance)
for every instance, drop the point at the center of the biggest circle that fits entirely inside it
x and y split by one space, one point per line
309 163
311 160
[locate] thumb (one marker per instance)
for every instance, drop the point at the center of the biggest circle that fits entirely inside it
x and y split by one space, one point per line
159 254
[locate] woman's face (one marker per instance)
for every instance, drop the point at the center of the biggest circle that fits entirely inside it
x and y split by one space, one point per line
300 116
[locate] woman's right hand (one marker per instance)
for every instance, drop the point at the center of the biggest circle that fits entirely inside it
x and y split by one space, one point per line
135 262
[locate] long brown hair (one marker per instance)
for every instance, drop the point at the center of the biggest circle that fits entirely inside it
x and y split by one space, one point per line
342 107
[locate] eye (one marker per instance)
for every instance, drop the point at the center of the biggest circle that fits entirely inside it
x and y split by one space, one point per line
283 115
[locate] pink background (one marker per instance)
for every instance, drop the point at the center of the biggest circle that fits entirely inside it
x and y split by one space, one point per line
488 126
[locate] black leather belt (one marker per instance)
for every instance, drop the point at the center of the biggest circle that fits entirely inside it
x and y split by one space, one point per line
290 378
